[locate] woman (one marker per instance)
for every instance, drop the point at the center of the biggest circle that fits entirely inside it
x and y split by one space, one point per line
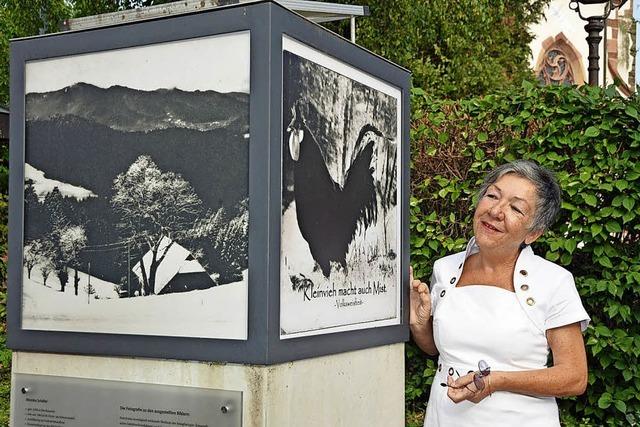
498 304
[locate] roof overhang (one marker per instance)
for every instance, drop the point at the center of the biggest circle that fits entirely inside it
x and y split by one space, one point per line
315 11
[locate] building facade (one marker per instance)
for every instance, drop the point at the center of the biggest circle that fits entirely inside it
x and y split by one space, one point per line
560 50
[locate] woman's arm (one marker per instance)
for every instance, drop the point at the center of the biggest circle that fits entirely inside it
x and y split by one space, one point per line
420 321
423 337
567 376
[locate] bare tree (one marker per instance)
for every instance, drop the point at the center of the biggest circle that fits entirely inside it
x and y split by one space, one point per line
46 267
90 290
33 255
154 205
72 240
58 209
39 253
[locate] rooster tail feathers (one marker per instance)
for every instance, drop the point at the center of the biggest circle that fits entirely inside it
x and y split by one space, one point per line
360 191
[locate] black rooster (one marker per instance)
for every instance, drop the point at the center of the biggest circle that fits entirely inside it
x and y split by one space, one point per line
329 215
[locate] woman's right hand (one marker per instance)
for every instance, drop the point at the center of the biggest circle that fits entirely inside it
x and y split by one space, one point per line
419 302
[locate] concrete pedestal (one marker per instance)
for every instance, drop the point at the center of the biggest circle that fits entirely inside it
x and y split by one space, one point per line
360 388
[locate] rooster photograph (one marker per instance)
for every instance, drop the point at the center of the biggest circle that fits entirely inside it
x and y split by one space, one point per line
329 214
339 263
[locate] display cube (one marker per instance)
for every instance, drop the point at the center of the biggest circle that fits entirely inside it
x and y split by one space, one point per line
228 186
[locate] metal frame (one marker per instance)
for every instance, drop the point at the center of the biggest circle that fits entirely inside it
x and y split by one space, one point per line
285 23
267 22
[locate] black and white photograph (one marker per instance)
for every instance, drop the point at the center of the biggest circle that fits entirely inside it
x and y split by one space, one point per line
340 250
136 201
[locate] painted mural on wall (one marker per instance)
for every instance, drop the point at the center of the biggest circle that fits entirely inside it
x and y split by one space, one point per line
340 217
136 190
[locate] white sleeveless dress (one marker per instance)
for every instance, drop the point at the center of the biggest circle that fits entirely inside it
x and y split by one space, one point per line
478 322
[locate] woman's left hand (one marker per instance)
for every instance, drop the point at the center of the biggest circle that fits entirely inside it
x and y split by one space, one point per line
465 389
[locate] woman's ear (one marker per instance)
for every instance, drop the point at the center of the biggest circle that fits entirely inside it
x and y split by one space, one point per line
532 236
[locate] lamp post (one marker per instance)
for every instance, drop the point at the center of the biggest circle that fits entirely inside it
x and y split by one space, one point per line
595 24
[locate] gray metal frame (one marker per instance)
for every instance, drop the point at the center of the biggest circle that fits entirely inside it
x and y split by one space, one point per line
266 21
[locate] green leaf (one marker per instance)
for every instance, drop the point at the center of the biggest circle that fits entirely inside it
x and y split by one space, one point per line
592 132
620 406
628 217
590 199
482 136
613 227
604 261
527 85
605 401
631 111
552 256
621 185
628 203
570 245
595 229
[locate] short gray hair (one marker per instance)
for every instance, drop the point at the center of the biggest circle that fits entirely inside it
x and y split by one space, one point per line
547 189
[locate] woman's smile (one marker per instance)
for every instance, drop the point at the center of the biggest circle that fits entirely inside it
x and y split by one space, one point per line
490 227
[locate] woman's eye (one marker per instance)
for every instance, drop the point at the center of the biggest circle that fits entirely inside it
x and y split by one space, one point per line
517 210
492 196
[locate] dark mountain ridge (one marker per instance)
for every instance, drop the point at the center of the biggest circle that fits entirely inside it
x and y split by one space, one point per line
132 110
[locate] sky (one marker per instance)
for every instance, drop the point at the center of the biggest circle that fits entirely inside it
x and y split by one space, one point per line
219 63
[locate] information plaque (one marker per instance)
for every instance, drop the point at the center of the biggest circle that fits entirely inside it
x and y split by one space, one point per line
51 401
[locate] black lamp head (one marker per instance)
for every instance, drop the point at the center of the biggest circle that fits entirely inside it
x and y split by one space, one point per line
609 5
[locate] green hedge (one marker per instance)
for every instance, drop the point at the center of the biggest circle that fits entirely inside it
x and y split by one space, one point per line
591 138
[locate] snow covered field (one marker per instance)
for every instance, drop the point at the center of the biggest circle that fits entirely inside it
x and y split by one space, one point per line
218 312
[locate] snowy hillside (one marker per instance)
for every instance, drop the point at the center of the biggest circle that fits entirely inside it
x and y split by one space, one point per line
218 312
43 185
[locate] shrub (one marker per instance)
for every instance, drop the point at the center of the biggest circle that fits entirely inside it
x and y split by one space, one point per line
591 138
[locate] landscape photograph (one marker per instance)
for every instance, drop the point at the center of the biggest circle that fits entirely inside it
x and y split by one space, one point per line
136 205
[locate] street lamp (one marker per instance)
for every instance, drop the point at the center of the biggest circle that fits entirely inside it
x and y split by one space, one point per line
595 24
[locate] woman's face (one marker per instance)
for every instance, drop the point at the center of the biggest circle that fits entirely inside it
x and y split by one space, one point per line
505 213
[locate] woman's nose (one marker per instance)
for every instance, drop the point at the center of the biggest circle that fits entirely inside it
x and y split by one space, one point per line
497 211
